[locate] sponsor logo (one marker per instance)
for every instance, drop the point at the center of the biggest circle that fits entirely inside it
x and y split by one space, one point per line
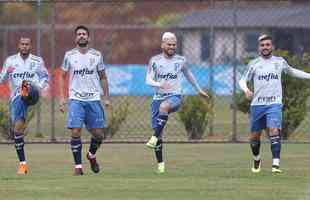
23 75
267 77
167 76
84 95
267 99
83 72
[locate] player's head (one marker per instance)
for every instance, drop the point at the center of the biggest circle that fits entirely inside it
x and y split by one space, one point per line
169 43
82 36
24 46
265 45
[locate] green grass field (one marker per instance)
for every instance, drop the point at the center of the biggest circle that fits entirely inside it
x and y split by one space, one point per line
194 171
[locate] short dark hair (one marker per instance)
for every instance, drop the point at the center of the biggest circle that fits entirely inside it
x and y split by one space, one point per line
81 27
264 37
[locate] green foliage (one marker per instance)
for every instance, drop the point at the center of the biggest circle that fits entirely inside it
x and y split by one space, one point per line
116 116
167 20
195 114
295 94
5 124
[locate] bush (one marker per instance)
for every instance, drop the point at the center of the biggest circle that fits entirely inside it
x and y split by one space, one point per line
116 116
195 114
6 128
295 94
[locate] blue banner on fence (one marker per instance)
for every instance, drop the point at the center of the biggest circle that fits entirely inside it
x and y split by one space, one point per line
129 80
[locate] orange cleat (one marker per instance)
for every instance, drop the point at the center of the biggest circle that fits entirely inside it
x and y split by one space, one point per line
23 169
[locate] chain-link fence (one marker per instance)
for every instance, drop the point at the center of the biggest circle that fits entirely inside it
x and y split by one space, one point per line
216 37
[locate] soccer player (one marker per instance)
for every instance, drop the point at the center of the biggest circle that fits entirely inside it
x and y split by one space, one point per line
27 75
164 74
86 75
266 105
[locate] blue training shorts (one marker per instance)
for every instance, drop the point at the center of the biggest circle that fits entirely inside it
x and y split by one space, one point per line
175 102
90 113
18 109
266 116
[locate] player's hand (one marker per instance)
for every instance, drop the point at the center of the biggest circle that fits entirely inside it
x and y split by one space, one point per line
165 86
249 94
62 105
203 94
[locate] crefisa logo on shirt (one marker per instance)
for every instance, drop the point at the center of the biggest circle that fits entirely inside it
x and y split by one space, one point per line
23 75
82 72
268 77
167 76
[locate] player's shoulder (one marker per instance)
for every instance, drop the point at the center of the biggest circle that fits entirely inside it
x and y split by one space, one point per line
255 61
157 57
71 52
94 52
35 58
277 58
12 58
178 57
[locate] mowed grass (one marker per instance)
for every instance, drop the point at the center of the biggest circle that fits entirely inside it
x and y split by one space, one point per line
194 171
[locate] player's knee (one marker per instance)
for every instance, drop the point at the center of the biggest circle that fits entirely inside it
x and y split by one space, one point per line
76 132
254 137
274 132
164 107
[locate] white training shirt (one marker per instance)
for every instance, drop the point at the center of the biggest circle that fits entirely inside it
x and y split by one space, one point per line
266 77
84 80
162 69
16 69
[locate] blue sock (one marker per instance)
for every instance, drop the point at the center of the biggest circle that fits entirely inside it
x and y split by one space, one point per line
159 151
94 145
255 147
19 146
161 122
275 146
76 147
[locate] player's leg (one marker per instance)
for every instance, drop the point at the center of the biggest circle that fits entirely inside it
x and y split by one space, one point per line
76 115
274 124
95 122
169 105
258 123
18 116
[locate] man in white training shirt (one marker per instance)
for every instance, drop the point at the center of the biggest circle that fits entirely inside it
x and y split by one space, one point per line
86 75
27 75
164 74
266 105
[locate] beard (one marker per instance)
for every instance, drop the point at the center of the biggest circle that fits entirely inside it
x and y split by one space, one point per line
82 43
266 55
169 52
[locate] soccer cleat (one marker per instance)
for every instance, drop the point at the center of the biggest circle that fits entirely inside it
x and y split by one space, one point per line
256 166
152 142
276 169
161 168
23 169
24 91
93 164
78 172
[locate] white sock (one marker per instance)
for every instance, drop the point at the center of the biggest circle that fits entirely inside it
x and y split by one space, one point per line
276 161
78 166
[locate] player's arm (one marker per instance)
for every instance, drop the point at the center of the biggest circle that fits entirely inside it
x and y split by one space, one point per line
150 77
64 69
43 76
248 75
191 79
4 73
295 72
104 81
